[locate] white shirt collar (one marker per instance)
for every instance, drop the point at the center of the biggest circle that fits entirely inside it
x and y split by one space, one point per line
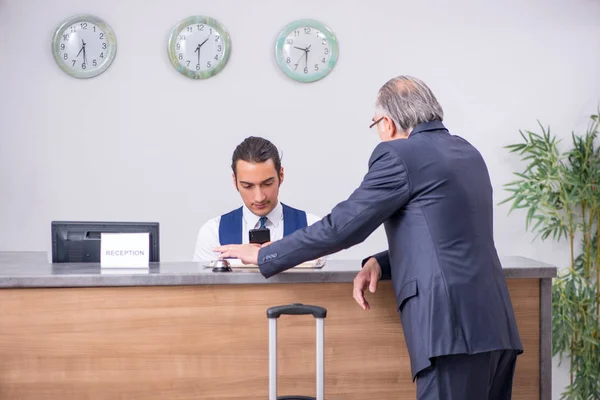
274 217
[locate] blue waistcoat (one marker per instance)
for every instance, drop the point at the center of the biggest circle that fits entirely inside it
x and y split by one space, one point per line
230 227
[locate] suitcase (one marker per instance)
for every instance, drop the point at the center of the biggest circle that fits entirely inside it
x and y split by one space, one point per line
273 314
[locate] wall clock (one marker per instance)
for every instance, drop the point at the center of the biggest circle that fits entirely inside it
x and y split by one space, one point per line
199 47
84 46
306 50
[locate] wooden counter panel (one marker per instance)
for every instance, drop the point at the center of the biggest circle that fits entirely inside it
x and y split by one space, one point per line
211 342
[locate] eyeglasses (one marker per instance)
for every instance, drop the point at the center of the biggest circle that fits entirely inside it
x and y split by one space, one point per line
375 122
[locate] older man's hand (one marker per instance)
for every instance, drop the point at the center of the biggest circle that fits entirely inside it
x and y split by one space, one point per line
248 253
368 276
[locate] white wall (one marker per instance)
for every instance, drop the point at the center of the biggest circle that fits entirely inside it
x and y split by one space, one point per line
142 142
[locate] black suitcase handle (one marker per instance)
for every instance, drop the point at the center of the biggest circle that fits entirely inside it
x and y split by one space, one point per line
296 309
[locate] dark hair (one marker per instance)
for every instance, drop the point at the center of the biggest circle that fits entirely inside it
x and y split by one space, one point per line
256 150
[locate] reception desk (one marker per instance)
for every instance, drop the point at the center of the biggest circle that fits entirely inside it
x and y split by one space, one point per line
180 331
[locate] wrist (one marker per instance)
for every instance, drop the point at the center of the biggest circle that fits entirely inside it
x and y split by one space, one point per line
372 262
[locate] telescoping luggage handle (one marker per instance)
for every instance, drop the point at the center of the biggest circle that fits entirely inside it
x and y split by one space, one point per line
295 309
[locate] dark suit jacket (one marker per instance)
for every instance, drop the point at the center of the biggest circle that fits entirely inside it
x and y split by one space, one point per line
433 194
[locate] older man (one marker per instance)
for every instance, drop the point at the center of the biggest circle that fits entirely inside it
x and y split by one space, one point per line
432 192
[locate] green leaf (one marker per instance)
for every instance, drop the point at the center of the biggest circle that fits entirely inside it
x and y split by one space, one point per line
561 193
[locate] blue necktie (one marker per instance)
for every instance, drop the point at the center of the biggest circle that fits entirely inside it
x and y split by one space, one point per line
262 221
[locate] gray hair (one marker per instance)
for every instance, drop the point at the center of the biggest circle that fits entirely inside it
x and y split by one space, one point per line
408 102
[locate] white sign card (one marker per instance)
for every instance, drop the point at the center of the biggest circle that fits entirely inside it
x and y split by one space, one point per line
124 250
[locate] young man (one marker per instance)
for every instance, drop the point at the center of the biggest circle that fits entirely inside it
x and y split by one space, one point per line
257 176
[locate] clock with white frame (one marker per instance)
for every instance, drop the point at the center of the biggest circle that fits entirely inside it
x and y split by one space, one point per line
84 46
306 50
199 47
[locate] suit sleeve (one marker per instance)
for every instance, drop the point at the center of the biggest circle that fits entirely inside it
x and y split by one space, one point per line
384 190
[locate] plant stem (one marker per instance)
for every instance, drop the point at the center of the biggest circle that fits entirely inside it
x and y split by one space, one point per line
590 228
598 266
587 241
571 239
572 351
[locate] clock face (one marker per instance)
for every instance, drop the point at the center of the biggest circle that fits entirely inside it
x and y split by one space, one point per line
199 47
306 50
84 46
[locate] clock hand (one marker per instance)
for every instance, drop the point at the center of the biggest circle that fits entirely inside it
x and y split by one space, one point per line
300 59
306 59
198 49
80 50
84 56
305 53
200 45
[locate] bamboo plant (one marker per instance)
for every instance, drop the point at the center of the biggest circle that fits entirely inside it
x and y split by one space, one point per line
561 193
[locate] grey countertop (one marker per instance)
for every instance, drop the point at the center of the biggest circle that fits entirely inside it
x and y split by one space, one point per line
32 269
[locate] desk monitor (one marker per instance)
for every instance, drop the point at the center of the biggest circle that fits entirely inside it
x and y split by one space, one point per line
79 241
